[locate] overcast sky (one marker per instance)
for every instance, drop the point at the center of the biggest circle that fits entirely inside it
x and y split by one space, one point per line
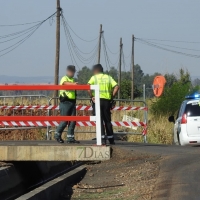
176 20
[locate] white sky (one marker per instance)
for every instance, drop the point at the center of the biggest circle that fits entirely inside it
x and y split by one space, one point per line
157 19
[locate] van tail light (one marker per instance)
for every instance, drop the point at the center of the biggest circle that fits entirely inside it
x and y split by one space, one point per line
184 119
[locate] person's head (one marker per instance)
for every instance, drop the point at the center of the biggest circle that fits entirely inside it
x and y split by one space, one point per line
97 69
71 70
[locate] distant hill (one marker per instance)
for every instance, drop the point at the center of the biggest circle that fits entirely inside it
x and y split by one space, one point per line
16 79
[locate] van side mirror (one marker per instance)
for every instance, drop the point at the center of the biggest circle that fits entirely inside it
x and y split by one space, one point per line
171 119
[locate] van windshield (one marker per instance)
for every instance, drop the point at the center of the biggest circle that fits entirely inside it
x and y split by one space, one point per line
193 109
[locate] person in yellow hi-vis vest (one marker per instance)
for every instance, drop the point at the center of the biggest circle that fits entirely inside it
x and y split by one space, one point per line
108 89
67 106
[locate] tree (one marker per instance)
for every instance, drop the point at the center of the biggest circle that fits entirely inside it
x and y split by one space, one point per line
170 79
126 90
173 96
196 82
184 76
113 72
84 75
138 75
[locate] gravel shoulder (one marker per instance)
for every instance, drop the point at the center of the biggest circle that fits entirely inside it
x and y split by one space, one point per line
128 175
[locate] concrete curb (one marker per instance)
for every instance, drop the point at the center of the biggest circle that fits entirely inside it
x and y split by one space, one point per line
53 189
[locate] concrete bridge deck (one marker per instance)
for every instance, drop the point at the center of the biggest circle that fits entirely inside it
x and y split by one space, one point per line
52 151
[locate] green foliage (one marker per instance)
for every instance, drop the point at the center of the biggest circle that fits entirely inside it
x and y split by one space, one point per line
138 75
171 79
173 96
126 90
171 100
84 75
113 72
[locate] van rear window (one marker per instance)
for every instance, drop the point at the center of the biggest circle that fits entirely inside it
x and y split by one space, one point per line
192 110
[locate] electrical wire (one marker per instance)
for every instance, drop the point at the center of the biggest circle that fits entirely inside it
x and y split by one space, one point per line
17 44
110 50
107 57
19 32
74 50
79 56
16 37
72 41
173 46
4 25
166 49
171 41
79 36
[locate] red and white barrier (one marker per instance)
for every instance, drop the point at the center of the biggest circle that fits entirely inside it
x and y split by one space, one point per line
36 120
79 107
43 121
56 123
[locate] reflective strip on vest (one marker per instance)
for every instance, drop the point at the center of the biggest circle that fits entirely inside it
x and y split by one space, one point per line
106 94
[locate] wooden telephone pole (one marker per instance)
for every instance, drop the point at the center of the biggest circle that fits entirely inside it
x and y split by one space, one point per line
132 67
57 58
99 48
120 67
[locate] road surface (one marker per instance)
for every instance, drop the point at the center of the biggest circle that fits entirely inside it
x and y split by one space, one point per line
179 174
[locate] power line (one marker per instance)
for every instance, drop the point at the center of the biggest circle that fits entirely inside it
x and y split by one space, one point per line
16 37
79 36
73 47
17 44
4 25
170 41
73 43
163 48
172 46
110 50
107 57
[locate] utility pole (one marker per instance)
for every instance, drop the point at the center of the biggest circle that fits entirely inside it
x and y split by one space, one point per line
120 68
56 76
132 67
99 48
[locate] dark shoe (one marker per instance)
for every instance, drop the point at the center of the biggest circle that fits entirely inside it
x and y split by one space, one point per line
59 140
103 141
112 143
73 142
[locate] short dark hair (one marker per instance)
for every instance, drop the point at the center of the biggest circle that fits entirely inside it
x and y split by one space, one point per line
97 67
71 68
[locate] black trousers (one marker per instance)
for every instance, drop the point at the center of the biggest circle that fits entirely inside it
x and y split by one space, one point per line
106 125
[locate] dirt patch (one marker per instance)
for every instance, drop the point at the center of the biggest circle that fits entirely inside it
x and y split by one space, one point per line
128 175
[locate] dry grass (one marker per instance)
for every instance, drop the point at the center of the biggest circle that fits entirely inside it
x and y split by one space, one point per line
159 129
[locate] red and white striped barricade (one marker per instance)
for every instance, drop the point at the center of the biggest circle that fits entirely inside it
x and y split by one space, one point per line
79 107
36 120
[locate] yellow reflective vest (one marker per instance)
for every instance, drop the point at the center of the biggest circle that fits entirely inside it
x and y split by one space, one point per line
106 84
71 94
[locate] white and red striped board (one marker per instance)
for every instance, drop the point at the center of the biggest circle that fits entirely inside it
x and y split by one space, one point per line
79 107
56 123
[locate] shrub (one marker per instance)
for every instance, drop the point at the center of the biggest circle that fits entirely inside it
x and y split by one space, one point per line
171 99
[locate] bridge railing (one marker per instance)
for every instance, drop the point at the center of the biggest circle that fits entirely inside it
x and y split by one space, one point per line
42 121
128 117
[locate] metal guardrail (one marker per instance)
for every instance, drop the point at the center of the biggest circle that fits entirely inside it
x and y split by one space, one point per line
117 115
23 100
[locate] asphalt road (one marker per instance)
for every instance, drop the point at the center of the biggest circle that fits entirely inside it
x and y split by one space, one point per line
179 174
